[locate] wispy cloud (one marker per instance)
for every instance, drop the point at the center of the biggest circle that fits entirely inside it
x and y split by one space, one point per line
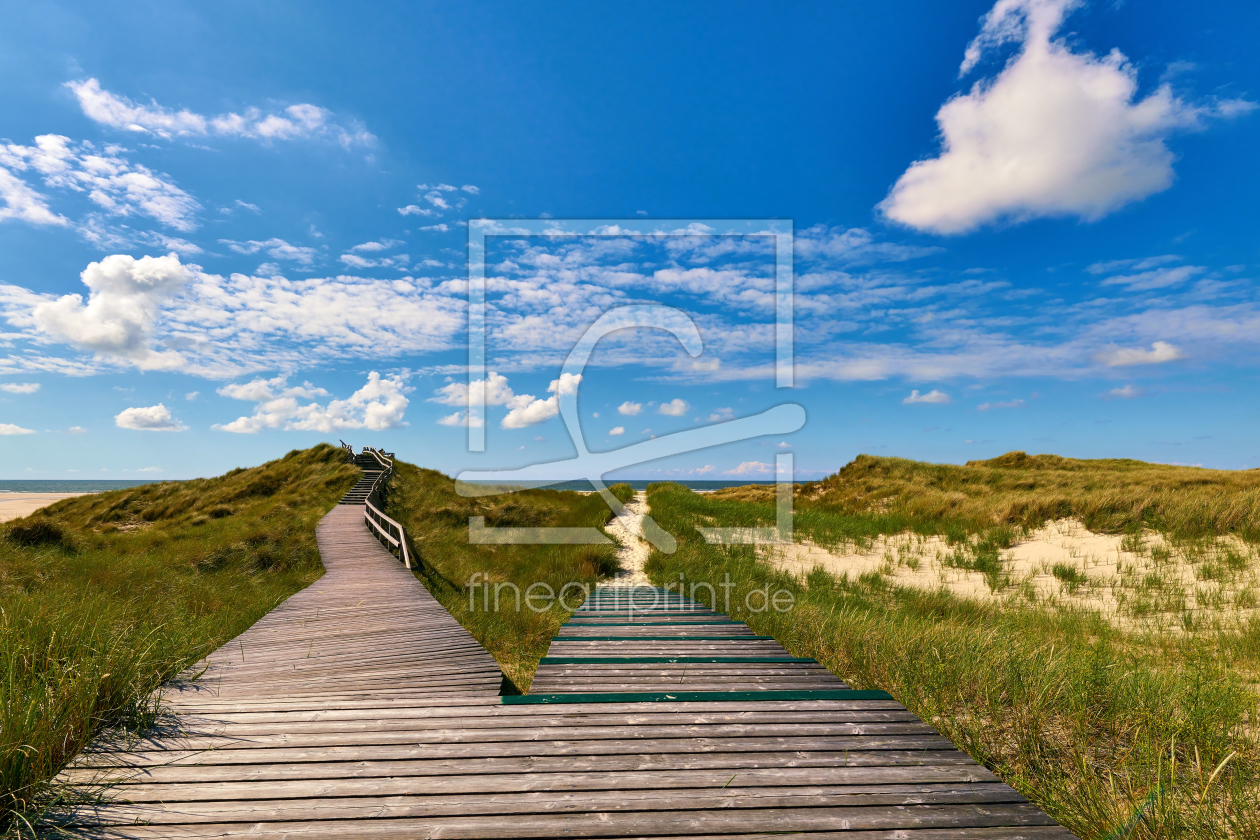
113 183
277 249
933 397
301 121
1156 278
989 406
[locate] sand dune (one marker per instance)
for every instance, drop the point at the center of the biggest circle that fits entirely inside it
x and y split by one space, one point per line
1160 584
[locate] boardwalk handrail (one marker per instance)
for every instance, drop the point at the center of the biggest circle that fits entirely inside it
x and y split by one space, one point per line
385 459
387 530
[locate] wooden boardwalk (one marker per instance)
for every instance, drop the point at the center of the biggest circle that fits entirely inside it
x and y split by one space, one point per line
360 709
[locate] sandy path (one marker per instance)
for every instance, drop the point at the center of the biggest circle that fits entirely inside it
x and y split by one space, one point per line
17 505
634 550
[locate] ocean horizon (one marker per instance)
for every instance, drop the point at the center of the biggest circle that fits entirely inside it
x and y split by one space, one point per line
60 485
103 485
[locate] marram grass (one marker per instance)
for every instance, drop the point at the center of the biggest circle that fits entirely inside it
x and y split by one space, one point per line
1115 734
104 597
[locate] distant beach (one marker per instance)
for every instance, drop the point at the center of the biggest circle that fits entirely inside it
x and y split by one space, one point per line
22 498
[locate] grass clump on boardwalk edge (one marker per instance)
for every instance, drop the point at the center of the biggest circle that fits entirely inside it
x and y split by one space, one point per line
104 597
1114 734
436 519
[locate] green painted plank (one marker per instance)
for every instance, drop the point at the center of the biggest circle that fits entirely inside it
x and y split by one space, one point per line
645 608
650 623
693 696
661 638
613 660
604 605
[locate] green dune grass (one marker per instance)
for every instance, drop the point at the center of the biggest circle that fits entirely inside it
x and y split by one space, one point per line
1115 733
104 597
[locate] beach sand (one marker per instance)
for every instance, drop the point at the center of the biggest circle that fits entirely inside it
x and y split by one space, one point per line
17 505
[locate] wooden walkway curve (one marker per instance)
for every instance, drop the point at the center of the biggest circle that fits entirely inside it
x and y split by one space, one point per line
361 709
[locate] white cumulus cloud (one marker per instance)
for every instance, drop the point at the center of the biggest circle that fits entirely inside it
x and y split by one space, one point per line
933 396
14 429
630 408
493 390
1056 133
674 408
378 405
1128 392
154 418
617 430
526 410
20 387
1161 351
121 312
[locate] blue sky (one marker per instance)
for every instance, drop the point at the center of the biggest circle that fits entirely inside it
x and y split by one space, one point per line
1028 225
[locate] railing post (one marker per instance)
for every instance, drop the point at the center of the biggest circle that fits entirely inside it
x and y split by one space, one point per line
378 523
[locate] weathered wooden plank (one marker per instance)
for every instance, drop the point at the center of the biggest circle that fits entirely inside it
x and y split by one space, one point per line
359 708
554 802
609 824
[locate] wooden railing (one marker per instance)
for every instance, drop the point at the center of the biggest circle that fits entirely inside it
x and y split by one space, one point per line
388 531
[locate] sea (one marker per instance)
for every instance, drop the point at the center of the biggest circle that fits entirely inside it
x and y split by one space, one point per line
66 486
95 486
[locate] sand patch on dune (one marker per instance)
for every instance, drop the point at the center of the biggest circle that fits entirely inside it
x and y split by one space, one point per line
1132 581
